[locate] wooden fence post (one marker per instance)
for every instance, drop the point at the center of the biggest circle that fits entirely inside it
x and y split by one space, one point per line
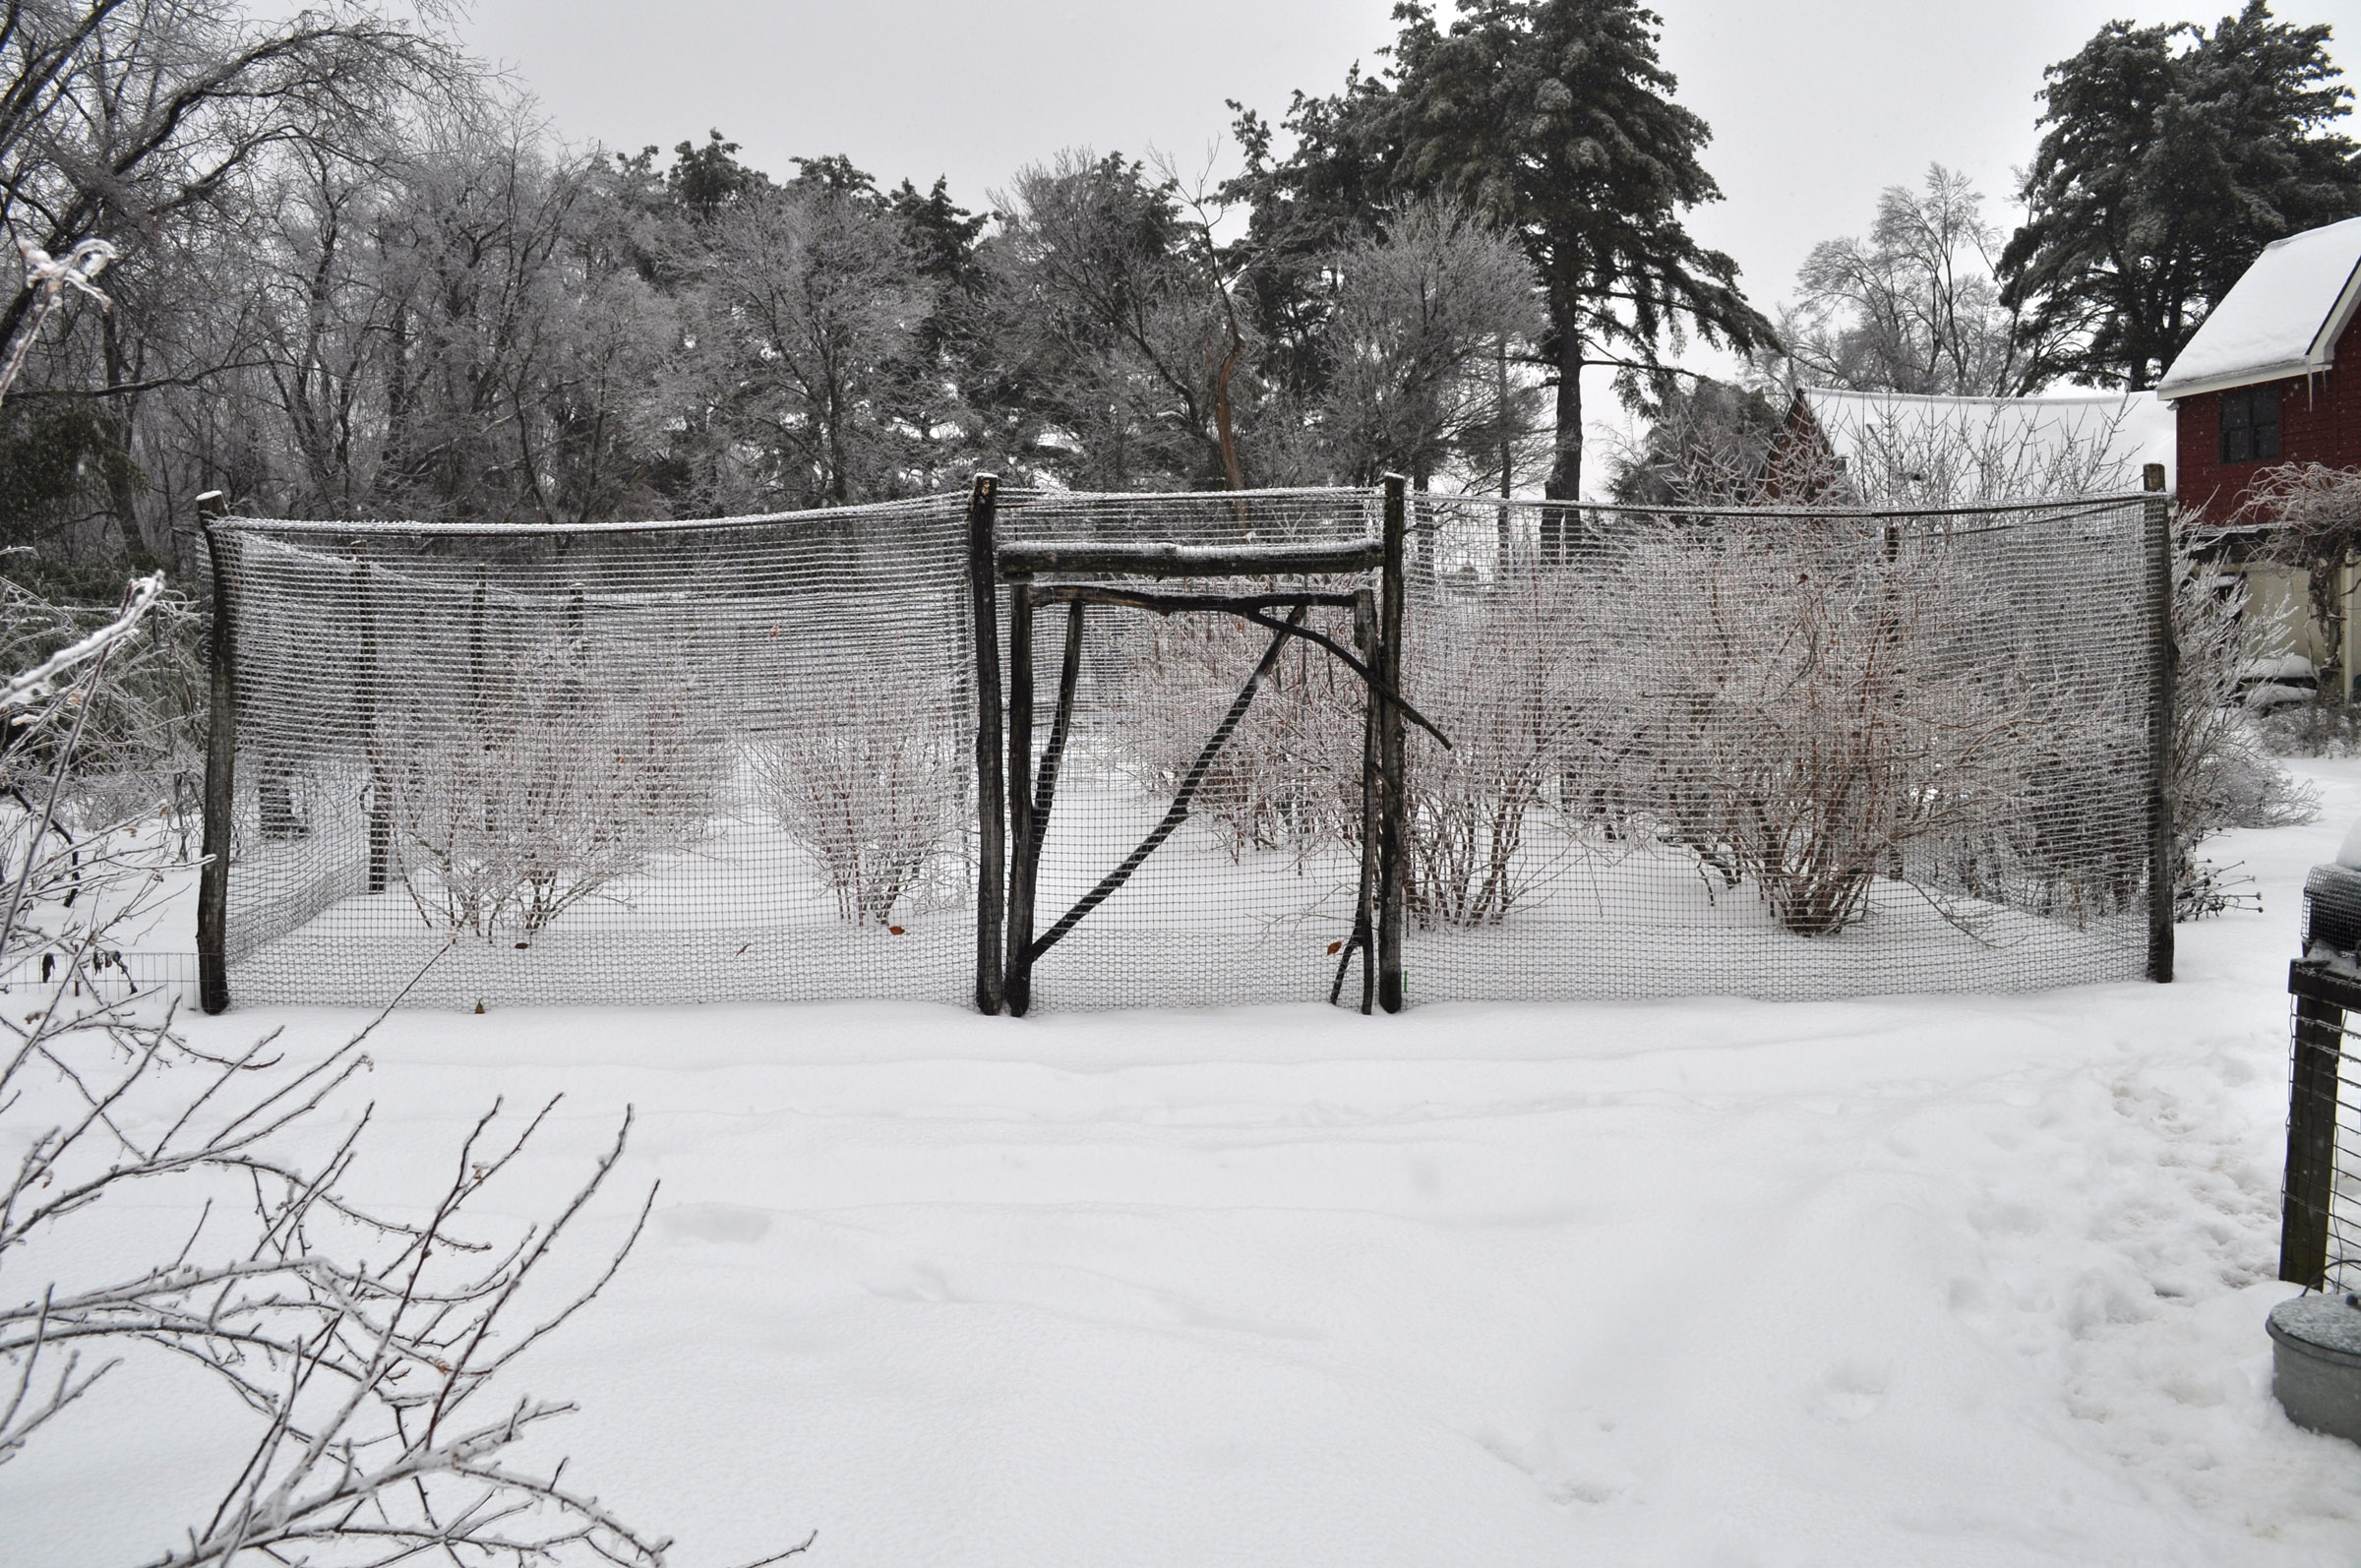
2165 660
1393 841
1017 976
2311 1174
220 766
992 803
367 675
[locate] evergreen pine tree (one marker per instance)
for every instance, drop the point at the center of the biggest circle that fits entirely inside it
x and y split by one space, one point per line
2171 158
1555 119
705 179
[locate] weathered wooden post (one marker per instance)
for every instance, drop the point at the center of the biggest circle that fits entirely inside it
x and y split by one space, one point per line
991 806
220 768
1365 892
2165 659
2311 1171
2315 1373
366 677
1393 840
1017 975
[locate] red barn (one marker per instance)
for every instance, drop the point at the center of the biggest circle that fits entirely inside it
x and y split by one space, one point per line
2273 375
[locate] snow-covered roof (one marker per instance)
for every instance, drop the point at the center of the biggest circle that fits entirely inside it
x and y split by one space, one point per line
2281 318
1995 449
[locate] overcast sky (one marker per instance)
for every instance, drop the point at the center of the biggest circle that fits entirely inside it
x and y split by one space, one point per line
1815 104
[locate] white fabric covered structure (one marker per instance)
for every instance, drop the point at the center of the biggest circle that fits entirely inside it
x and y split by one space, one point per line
2281 318
2002 448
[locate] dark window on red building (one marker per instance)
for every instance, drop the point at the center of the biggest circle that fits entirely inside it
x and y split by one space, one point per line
2250 425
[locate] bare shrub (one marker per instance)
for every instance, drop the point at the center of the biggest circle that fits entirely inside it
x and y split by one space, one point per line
2223 773
1289 777
366 1358
873 787
554 774
1821 724
2326 726
1511 676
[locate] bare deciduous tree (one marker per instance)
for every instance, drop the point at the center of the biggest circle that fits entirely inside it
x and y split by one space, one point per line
1425 321
1914 308
369 1355
815 309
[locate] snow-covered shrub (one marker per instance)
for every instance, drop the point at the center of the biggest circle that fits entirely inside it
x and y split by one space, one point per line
548 774
1512 676
1817 720
2223 773
873 787
2326 726
1289 777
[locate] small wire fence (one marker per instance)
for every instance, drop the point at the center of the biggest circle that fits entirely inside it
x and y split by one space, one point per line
2320 1245
1759 754
701 762
1778 754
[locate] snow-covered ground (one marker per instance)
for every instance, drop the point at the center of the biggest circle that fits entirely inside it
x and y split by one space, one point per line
1906 1281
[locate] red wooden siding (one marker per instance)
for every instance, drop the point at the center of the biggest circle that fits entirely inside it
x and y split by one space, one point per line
2320 421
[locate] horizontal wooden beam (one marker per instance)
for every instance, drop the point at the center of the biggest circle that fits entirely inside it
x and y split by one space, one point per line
2318 981
1174 603
1189 560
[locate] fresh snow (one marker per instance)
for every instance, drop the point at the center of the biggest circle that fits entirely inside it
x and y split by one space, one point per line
2280 319
1916 1279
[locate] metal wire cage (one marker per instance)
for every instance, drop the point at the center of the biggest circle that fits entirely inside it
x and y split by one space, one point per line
1498 749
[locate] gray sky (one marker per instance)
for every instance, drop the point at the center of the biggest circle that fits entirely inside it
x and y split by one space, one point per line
1815 104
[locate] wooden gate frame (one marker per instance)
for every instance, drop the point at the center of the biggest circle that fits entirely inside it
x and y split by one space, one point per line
1013 805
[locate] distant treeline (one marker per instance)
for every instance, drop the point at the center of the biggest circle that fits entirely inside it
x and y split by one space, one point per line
359 280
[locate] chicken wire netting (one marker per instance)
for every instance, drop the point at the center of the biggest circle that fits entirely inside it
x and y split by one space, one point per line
1761 754
1777 754
666 762
2319 1242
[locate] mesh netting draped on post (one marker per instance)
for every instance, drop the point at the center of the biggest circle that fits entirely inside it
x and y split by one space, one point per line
673 762
1779 755
1763 754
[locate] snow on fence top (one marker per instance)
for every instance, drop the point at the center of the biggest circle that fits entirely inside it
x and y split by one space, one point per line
1777 754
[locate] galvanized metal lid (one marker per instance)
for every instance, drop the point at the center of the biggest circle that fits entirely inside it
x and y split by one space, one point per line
2328 1326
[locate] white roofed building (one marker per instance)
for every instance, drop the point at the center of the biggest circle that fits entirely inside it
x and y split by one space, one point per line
2273 375
1895 449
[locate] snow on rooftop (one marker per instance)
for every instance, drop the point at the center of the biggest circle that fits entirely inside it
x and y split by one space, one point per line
2280 319
2016 447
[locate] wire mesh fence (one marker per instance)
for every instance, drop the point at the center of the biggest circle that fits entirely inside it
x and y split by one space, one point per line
1783 753
677 763
2319 1242
1773 755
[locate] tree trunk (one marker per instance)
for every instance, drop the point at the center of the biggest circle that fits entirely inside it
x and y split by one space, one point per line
1565 467
1231 474
1559 526
1507 530
121 492
1507 435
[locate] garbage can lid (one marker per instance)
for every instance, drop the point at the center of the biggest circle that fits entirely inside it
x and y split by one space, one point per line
2328 1325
